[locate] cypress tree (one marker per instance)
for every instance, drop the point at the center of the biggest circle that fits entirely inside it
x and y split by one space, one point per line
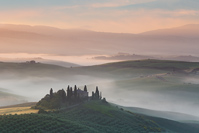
68 92
97 93
75 92
71 92
85 88
93 95
51 93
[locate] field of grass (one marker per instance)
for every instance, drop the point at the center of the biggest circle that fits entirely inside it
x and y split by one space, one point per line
24 108
17 110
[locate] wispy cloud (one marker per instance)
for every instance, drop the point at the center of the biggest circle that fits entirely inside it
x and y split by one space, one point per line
132 16
118 3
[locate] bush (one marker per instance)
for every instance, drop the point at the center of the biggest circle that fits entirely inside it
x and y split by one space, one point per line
42 111
104 100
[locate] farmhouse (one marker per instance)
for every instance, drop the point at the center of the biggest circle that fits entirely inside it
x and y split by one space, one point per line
82 93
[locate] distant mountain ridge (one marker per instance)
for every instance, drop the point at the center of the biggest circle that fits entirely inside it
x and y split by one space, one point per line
191 30
49 40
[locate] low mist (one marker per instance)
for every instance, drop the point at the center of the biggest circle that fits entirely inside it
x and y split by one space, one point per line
175 94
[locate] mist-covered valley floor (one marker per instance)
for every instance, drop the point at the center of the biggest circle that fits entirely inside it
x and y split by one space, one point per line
170 86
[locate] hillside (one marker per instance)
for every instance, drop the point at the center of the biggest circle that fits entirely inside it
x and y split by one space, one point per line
127 56
154 64
7 98
96 43
163 114
92 117
104 70
40 60
24 108
30 69
191 30
151 84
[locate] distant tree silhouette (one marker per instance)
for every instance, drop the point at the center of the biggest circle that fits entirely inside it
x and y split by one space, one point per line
85 88
93 95
100 97
63 95
71 92
75 92
104 100
97 93
51 93
68 92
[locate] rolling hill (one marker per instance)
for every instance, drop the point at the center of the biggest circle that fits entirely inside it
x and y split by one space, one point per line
167 41
152 84
39 60
191 30
7 98
163 114
92 116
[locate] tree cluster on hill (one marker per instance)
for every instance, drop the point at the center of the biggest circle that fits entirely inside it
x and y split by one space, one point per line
96 95
62 98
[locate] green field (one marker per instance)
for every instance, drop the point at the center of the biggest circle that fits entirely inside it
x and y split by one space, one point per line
90 117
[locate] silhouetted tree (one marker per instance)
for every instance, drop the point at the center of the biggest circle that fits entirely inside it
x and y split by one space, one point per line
71 92
75 92
100 97
97 93
104 100
85 88
63 95
93 95
68 92
51 93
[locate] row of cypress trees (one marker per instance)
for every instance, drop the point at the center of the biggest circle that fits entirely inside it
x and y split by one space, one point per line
70 93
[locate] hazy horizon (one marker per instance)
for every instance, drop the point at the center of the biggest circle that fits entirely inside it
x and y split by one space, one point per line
79 46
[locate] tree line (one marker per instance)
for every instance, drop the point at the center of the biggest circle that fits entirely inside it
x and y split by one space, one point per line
69 97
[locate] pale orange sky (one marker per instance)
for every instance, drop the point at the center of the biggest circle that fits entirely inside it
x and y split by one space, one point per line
121 16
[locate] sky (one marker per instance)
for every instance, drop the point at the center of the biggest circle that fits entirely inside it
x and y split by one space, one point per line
120 16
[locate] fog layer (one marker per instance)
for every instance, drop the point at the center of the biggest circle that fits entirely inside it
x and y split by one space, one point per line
146 87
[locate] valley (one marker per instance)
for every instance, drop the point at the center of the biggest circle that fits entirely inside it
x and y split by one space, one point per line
150 84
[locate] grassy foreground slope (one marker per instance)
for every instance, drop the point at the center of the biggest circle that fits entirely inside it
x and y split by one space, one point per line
89 117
